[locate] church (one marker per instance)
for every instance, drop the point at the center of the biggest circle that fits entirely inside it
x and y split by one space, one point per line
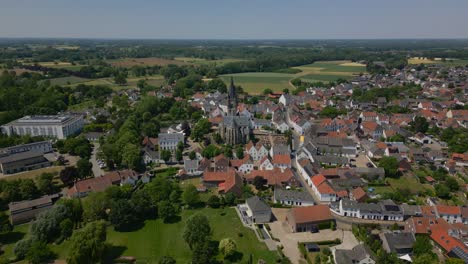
234 129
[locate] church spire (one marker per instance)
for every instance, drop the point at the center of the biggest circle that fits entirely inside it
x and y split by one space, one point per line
232 98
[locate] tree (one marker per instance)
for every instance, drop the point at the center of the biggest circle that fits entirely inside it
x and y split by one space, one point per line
122 215
5 225
95 206
452 184
390 165
230 198
213 201
28 189
69 175
167 260
217 85
202 253
45 183
419 124
39 253
442 191
192 155
197 230
142 204
88 245
422 245
267 91
259 182
239 152
22 247
166 210
85 168
179 155
191 197
426 259
120 79
166 155
201 128
131 157
47 225
66 228
227 247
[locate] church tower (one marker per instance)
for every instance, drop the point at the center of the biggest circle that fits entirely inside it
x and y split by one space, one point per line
232 99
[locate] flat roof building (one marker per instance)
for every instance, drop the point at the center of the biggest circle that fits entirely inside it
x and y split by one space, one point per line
57 126
23 161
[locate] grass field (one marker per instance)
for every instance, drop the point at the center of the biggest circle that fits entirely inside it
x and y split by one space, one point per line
256 82
157 239
9 240
130 62
325 71
60 65
447 62
200 61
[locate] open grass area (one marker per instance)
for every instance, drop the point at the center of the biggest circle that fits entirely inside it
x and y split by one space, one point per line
447 62
407 182
256 82
32 174
157 239
9 240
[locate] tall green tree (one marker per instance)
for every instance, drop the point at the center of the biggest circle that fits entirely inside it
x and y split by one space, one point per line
197 230
88 245
191 197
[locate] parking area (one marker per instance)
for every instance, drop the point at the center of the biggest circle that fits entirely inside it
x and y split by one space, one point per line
361 160
290 240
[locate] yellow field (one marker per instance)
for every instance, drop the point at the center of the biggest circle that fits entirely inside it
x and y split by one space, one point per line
353 64
34 173
419 60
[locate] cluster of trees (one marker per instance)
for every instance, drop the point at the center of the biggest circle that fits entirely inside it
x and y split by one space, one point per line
27 189
28 94
78 146
456 138
389 93
53 225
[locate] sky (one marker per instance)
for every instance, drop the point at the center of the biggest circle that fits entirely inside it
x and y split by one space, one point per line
234 19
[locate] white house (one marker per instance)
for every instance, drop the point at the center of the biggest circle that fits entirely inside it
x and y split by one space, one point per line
322 189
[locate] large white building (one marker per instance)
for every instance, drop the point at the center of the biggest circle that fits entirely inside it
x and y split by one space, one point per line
57 126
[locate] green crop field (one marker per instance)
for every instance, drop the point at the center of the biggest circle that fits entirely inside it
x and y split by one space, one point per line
324 71
256 82
447 62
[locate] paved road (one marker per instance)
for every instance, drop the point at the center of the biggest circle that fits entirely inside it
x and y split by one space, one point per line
97 171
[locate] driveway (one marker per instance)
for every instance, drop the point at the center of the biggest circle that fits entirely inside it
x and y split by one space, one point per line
97 171
290 240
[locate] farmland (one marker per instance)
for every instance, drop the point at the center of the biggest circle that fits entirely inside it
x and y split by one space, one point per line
200 61
130 62
256 82
328 71
447 62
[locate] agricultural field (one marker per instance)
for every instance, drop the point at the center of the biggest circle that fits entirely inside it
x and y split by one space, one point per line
154 80
59 65
201 61
447 62
326 71
256 82
130 62
68 80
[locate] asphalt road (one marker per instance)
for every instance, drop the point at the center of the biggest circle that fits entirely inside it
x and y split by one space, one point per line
97 171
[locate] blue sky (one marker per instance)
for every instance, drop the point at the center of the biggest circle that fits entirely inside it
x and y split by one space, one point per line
235 19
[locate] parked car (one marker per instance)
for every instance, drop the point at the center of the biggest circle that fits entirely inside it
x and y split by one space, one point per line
369 165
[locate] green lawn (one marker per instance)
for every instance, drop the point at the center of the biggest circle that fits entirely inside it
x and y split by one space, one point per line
9 240
406 182
256 82
157 239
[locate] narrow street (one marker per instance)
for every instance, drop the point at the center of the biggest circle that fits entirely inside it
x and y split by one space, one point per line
97 171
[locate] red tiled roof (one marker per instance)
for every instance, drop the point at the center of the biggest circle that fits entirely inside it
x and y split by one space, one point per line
325 188
273 177
282 159
315 213
318 179
218 176
449 210
239 162
447 242
359 193
427 210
